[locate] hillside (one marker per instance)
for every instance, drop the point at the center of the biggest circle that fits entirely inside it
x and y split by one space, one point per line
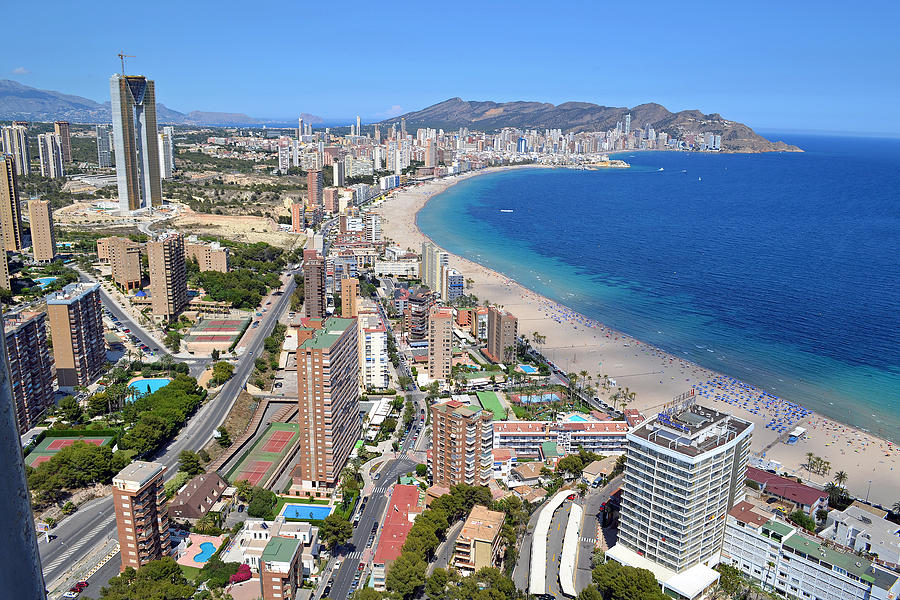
584 116
24 103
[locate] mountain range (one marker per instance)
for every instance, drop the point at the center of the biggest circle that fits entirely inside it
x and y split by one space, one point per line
583 116
23 103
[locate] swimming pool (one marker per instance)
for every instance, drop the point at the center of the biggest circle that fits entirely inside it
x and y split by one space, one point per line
576 418
528 369
550 397
313 512
45 281
208 549
148 386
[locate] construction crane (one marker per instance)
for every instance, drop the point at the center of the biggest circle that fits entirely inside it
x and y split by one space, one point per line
122 57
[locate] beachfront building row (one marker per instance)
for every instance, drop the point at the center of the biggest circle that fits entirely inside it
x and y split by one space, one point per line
684 471
799 566
526 438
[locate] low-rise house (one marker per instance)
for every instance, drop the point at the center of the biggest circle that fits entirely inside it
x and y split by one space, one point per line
598 471
504 461
806 498
251 541
197 497
526 474
405 505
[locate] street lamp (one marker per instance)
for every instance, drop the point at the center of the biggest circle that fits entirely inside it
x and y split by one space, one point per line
867 491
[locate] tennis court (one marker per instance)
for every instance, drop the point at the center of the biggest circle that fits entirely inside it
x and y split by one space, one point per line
255 471
258 463
278 441
51 445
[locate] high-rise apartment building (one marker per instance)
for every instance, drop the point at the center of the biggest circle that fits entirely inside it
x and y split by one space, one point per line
684 471
169 131
15 143
338 172
314 185
22 576
142 519
51 156
133 99
440 342
502 330
433 258
350 297
61 129
76 328
10 211
373 353
416 314
43 238
104 145
373 228
328 402
298 223
209 257
452 284
166 165
30 368
4 271
168 276
313 284
461 444
330 200
125 261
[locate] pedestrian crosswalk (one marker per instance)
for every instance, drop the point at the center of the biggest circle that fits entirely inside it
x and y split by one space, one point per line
354 554
381 490
588 540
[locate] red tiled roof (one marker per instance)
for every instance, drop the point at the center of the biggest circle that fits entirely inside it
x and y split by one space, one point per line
743 512
404 499
783 487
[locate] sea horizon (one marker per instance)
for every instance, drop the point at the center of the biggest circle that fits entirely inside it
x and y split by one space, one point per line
778 269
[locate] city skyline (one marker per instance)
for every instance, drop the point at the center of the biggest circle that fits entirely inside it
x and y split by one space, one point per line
745 65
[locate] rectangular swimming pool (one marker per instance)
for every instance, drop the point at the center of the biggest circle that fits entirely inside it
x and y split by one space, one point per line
307 512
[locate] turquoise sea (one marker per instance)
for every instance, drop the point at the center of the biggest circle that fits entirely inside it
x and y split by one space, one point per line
782 270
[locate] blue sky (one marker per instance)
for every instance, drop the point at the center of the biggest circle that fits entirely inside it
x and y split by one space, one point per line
773 65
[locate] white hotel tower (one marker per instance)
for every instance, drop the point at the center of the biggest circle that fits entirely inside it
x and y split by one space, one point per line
683 472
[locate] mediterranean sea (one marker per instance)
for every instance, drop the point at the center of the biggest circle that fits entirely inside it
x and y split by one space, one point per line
780 269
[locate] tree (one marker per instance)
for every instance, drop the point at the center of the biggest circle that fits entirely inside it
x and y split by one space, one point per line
243 490
436 583
70 410
821 515
406 575
189 462
262 502
421 470
590 593
215 354
335 530
803 520
617 582
157 580
367 594
840 478
731 580
896 507
222 372
224 440
173 341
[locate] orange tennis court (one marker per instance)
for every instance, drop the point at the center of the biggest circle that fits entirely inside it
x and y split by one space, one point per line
278 441
61 443
254 471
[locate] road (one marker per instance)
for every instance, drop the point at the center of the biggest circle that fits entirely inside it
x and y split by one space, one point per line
588 537
554 548
342 581
94 522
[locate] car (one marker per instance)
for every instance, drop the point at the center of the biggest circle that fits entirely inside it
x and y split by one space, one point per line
126 330
377 476
268 303
326 590
240 508
82 584
71 594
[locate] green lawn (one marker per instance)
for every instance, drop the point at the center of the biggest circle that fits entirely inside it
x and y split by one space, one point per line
191 573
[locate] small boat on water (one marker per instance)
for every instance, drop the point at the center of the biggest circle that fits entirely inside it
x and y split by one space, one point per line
506 210
699 179
661 169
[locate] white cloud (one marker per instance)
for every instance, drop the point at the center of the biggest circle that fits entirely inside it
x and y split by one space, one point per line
391 112
20 71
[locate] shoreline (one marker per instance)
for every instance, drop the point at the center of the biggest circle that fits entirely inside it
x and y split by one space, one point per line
577 343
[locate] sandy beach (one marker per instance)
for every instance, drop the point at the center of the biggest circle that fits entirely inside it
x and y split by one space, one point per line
577 343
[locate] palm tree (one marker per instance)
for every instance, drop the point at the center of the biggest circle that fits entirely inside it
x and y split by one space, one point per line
840 478
809 457
896 507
